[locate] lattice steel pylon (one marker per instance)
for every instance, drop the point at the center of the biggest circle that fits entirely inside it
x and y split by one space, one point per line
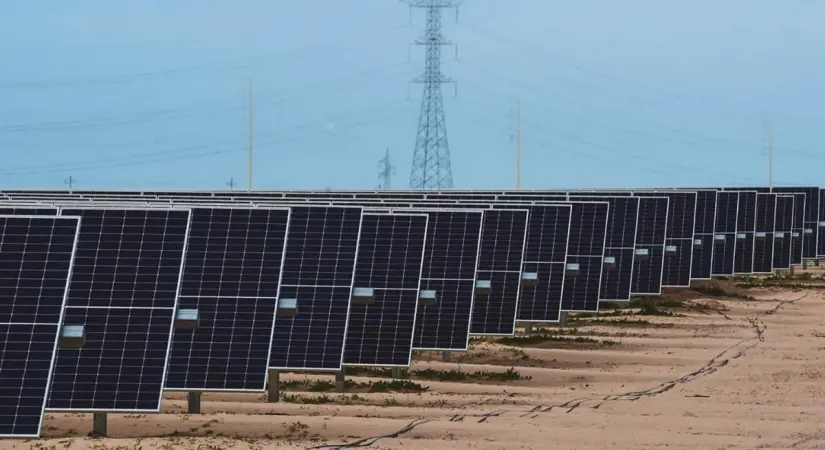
431 159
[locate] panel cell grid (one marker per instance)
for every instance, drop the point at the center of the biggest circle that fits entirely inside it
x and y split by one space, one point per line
782 242
231 277
724 237
703 242
390 258
123 291
500 259
649 253
449 269
617 271
585 256
679 246
545 254
763 242
318 272
36 255
745 230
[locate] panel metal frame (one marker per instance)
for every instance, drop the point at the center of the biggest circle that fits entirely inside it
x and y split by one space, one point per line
59 325
349 301
172 324
272 327
417 290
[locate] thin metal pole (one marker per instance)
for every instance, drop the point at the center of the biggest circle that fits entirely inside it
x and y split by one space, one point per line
251 133
518 144
770 153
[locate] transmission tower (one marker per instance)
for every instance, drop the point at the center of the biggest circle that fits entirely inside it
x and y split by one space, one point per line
387 170
431 158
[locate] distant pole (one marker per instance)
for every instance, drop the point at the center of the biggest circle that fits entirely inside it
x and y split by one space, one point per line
769 127
251 133
518 144
231 183
386 171
70 181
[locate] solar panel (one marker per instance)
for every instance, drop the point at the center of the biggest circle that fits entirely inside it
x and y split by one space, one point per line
820 226
797 233
650 251
585 257
724 237
449 273
385 297
27 210
316 285
123 292
617 269
500 259
545 256
782 242
703 243
809 217
745 228
678 262
763 242
230 278
35 266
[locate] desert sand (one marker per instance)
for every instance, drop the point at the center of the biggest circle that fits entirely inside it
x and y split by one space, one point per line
700 372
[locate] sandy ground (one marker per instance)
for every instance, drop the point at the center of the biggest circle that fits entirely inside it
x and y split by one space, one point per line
745 375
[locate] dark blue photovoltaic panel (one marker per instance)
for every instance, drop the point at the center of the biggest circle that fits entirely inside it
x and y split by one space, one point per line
763 243
820 226
390 255
231 276
545 254
124 290
782 242
585 256
35 265
797 233
500 257
318 272
450 258
724 237
745 228
617 271
28 210
702 262
810 217
649 253
678 262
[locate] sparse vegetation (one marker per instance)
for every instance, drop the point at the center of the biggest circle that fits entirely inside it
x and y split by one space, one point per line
351 386
442 375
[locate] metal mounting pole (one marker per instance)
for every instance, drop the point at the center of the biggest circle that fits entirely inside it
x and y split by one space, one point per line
194 402
340 381
99 424
273 390
445 356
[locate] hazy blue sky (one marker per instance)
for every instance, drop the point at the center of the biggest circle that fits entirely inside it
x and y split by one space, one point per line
152 94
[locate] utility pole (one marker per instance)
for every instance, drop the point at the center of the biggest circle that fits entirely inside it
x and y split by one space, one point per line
231 183
251 133
70 181
386 172
518 144
769 129
431 167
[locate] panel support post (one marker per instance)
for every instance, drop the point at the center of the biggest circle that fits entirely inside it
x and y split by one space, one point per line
445 356
792 271
563 319
99 424
816 262
193 402
396 373
804 264
528 328
340 380
273 389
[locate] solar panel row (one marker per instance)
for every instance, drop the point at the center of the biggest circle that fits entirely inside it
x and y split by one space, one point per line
208 296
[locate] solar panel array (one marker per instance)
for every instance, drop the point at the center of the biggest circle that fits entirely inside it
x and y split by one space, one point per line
105 306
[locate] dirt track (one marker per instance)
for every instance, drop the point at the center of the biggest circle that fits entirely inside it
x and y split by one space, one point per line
748 376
